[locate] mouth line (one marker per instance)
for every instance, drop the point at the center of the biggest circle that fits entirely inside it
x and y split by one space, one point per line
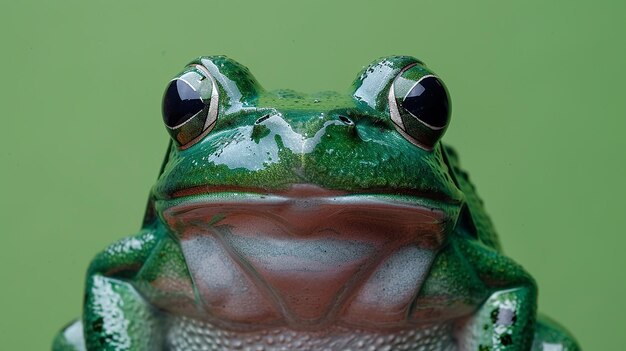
302 191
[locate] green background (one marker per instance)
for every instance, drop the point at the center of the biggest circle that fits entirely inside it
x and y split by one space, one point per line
538 117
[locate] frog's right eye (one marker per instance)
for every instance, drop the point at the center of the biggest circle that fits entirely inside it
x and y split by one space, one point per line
419 106
190 105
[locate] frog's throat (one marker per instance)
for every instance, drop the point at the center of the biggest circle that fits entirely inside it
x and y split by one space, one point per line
308 257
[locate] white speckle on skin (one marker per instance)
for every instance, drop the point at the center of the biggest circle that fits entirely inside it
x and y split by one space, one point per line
113 320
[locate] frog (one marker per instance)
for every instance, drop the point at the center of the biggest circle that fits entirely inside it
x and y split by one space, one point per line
326 221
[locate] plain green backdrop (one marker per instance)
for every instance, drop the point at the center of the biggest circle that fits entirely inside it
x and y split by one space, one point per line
538 101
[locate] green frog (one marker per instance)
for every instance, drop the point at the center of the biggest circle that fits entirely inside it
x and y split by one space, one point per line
285 221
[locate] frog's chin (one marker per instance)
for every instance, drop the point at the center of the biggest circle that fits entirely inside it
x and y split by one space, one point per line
307 256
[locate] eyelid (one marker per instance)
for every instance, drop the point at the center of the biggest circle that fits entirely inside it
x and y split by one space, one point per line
203 70
213 102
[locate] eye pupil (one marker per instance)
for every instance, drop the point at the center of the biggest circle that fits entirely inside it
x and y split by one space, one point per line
180 103
428 102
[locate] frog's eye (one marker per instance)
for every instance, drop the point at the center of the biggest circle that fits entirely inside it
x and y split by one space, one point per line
190 105
419 106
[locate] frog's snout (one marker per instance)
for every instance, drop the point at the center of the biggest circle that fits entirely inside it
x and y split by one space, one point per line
301 134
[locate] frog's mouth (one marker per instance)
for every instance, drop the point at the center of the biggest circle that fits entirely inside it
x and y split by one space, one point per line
308 255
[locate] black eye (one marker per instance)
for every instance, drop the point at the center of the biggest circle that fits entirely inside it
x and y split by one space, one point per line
180 103
419 106
428 102
190 105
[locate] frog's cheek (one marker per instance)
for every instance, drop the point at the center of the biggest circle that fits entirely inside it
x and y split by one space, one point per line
419 106
190 105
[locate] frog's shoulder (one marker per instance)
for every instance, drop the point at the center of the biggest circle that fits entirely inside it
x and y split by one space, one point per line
127 255
485 230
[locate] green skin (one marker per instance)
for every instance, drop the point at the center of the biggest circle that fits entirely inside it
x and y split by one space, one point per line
470 279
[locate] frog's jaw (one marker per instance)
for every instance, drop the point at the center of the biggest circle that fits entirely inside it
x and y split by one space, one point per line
308 261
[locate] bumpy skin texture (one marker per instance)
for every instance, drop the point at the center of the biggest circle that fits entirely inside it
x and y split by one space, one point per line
299 222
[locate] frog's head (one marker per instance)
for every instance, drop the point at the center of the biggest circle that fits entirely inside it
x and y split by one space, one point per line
321 180
229 134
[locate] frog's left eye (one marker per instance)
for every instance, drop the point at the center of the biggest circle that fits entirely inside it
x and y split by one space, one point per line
190 105
419 106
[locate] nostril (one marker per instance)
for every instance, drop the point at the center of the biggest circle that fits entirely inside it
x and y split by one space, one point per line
261 119
346 120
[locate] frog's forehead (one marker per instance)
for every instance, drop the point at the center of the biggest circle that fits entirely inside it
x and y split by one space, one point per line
286 99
